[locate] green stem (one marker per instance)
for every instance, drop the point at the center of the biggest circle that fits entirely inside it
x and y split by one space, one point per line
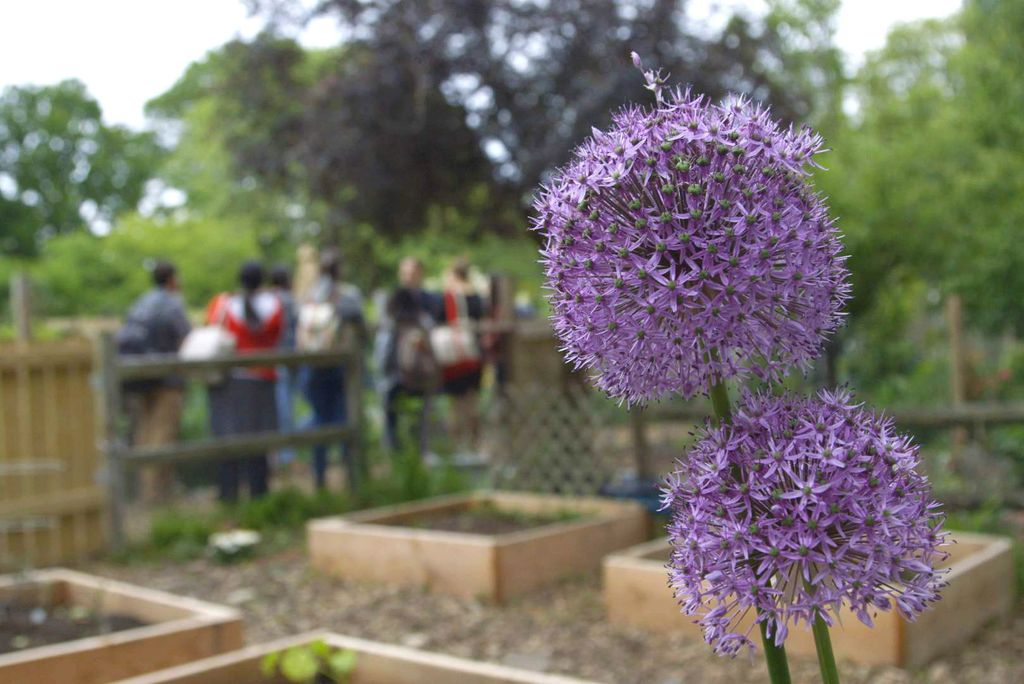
826 659
774 656
720 402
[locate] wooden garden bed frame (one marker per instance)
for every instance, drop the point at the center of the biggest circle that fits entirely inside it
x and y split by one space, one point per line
981 589
376 663
369 545
177 630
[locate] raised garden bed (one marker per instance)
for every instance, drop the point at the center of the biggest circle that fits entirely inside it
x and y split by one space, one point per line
981 589
74 628
375 663
513 542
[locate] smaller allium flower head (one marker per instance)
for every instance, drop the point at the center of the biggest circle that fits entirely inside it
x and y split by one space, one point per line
685 245
801 506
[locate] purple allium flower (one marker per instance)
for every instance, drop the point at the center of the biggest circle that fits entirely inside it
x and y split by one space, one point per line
685 245
801 506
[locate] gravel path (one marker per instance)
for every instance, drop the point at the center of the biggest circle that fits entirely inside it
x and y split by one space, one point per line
561 629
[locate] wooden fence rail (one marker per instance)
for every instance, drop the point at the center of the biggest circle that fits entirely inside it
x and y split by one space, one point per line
939 417
114 370
977 416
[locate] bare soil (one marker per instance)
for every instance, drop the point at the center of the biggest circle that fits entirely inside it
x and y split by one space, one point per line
485 519
561 629
24 626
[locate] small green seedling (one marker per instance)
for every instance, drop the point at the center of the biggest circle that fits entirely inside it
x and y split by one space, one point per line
312 663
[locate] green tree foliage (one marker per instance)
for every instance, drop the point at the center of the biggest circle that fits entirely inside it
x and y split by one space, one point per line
82 273
61 167
988 204
928 180
200 121
427 100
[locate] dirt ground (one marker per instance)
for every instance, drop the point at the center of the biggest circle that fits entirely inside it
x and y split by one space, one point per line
561 629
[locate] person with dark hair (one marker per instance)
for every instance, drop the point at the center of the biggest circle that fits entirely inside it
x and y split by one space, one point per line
155 324
284 390
330 314
244 402
405 363
165 274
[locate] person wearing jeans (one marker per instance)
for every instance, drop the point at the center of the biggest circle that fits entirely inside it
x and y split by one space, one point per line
284 390
325 391
324 386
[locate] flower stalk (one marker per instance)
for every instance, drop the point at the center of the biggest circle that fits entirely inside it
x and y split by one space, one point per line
823 644
685 246
774 656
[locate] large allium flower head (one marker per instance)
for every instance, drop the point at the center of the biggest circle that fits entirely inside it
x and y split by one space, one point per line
800 506
685 245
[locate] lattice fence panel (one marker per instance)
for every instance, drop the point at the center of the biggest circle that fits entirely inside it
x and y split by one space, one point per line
550 440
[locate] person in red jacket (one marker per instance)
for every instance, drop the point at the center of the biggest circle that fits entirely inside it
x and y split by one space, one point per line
244 402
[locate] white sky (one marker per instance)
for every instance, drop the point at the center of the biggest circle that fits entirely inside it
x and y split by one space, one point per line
129 51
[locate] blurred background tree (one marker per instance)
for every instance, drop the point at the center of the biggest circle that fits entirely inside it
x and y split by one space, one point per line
427 99
61 168
427 127
927 180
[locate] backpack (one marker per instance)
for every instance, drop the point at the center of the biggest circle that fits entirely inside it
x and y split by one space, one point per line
131 339
318 326
418 369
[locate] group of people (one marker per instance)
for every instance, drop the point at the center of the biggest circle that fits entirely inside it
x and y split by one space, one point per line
425 344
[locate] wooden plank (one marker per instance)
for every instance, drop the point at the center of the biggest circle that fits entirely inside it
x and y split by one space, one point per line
47 460
461 565
375 663
225 447
547 554
21 307
980 589
181 630
161 365
56 503
108 410
44 353
368 545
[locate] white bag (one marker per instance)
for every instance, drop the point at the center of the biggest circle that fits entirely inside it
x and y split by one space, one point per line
207 342
210 341
455 342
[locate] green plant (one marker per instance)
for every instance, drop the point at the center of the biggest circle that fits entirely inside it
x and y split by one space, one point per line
180 535
287 508
313 663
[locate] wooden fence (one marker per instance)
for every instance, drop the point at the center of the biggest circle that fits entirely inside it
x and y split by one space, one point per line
121 457
51 505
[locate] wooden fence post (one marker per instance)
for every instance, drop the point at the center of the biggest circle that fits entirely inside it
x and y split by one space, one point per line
957 366
21 307
641 445
357 468
109 406
503 308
